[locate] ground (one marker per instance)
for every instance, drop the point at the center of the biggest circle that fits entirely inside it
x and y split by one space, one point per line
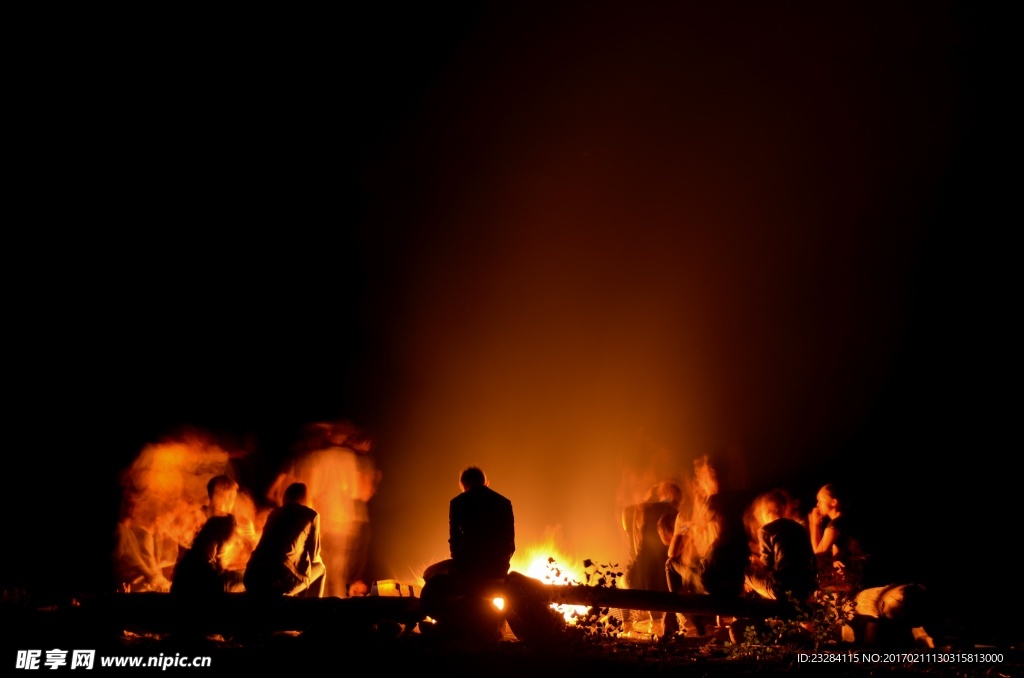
391 648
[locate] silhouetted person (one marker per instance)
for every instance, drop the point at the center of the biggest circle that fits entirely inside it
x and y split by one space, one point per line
203 570
786 564
646 568
481 538
481 528
648 552
333 460
222 493
709 553
287 560
481 531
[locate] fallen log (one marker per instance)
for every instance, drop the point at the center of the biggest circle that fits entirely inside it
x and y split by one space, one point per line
660 601
234 614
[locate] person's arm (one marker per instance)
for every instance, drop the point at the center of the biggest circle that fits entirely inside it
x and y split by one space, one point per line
814 528
226 546
313 543
767 550
627 520
822 539
675 547
828 540
678 541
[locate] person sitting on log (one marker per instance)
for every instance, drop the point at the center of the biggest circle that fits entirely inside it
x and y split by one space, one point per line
786 564
841 557
481 529
204 570
882 607
709 552
648 551
287 559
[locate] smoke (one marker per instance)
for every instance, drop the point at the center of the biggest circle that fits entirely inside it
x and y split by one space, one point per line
631 245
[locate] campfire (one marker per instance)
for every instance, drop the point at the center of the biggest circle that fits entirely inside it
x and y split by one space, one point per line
546 563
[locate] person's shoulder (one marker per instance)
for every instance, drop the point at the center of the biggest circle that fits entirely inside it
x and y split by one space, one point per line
838 523
661 508
485 491
791 524
461 502
302 511
217 522
789 528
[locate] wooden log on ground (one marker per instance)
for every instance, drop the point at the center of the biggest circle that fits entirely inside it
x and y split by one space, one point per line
240 613
659 601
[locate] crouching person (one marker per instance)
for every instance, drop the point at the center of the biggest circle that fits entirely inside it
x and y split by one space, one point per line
786 569
287 560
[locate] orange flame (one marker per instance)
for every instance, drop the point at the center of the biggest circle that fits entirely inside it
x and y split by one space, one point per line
545 562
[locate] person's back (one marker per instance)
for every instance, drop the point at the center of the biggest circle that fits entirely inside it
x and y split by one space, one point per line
646 569
202 570
287 558
709 553
725 562
786 553
481 532
285 535
481 539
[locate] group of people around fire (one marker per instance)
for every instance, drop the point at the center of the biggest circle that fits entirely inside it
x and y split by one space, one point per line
715 542
708 541
299 550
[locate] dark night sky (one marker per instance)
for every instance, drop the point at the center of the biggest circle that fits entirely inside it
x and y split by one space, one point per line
577 244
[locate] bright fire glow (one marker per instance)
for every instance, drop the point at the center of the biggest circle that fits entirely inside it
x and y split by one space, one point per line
499 603
547 564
